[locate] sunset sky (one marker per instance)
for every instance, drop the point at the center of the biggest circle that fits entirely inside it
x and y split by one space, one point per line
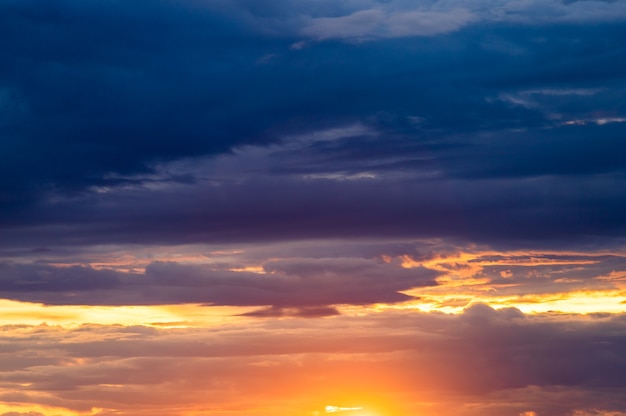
313 208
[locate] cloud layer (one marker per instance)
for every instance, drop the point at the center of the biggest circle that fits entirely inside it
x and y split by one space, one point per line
193 113
447 361
304 284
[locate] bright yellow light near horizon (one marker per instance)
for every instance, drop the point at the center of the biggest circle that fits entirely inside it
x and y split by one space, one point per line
334 409
456 300
463 284
367 407
163 316
575 302
580 302
7 408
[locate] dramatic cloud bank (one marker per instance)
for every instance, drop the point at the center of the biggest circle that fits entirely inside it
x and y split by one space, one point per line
254 207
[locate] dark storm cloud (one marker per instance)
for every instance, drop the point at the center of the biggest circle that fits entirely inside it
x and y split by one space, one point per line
102 88
573 150
103 97
590 147
530 211
105 87
295 287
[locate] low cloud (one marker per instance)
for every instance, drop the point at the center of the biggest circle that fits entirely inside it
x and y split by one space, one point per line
295 287
483 356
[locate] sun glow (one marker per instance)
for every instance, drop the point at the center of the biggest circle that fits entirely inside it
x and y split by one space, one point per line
334 409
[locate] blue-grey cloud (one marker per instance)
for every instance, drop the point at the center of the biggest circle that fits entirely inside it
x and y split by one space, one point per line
506 128
370 20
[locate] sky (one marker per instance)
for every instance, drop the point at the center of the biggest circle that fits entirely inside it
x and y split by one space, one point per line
313 207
